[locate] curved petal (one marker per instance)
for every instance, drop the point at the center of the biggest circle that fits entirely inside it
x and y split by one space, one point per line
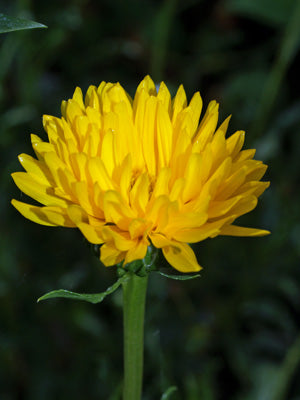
181 257
49 216
109 255
137 252
233 230
44 194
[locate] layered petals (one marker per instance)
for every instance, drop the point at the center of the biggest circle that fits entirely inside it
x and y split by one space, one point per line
148 171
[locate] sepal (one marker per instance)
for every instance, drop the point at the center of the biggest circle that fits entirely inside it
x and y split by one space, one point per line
141 267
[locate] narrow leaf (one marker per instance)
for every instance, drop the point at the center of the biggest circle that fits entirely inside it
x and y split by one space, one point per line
9 24
166 395
179 277
91 298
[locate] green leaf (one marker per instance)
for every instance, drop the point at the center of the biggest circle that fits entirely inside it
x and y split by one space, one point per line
9 24
91 298
180 277
166 395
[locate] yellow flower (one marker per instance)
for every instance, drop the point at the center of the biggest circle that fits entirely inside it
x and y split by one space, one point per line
129 173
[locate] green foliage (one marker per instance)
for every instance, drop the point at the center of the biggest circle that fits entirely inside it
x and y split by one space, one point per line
90 298
231 335
10 24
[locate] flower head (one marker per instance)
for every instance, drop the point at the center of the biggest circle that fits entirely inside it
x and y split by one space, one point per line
129 173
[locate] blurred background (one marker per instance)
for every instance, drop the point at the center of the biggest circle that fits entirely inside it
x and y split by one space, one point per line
233 334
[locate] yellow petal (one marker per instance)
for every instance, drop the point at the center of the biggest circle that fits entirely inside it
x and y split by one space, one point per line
157 213
91 233
91 98
108 153
95 117
181 257
235 142
118 95
245 205
85 198
73 111
121 240
116 211
78 163
31 212
138 227
233 230
162 183
180 156
97 173
256 187
125 177
177 190
219 208
63 151
101 88
207 127
186 221
147 85
211 186
194 235
192 187
50 216
195 108
257 173
36 169
159 240
179 103
82 127
218 147
139 194
40 147
44 194
207 164
164 96
124 134
163 137
245 155
231 184
224 126
137 252
109 255
62 176
147 135
77 96
77 214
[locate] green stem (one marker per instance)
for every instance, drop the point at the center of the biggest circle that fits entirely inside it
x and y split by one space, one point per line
134 299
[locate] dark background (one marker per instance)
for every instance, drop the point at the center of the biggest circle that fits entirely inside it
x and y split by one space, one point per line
233 334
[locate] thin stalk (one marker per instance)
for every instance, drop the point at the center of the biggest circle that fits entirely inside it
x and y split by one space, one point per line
134 299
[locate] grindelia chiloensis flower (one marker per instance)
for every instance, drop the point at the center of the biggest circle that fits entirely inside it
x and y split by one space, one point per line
130 173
